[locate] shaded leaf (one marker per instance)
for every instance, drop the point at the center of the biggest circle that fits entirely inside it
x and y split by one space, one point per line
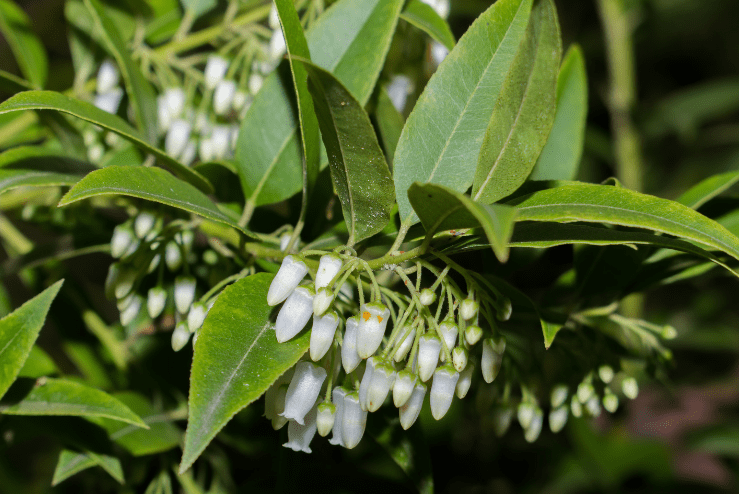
70 463
707 189
34 166
37 364
389 123
11 83
162 484
25 45
425 18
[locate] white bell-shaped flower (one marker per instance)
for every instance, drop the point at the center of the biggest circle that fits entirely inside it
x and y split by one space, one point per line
373 319
285 241
322 301
526 412
406 337
144 223
109 101
383 379
610 401
273 21
278 421
354 421
121 240
584 391
124 283
412 408
473 334
277 45
184 293
155 301
154 263
428 356
325 418
223 96
294 314
177 137
501 418
605 373
427 296
405 382
630 388
255 83
132 310
364 385
196 316
349 357
459 358
442 390
492 359
398 90
303 390
215 69
532 432
96 151
322 334
271 403
108 76
558 418
505 309
593 406
189 153
465 381
337 398
468 309
328 267
221 141
175 100
438 53
576 407
559 395
448 331
164 119
205 151
180 336
291 273
440 6
125 301
172 255
299 436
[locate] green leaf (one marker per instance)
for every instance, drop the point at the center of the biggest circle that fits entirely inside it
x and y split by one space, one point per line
441 140
50 100
153 184
12 84
72 462
236 359
707 189
198 7
25 45
61 397
425 18
441 208
389 123
38 167
138 89
161 484
358 168
37 364
560 158
716 439
619 206
350 40
524 111
18 332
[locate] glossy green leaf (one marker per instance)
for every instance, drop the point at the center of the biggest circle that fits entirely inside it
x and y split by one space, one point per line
37 364
11 83
441 208
198 7
237 358
350 40
18 333
707 189
389 123
153 184
441 140
560 158
139 90
25 45
620 206
425 18
38 167
358 168
73 462
61 397
50 100
524 112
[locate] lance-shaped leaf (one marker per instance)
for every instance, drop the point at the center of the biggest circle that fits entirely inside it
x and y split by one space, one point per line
153 184
37 167
73 462
18 333
441 208
619 206
707 189
138 88
560 158
358 168
425 18
25 45
389 123
524 111
237 357
51 100
441 140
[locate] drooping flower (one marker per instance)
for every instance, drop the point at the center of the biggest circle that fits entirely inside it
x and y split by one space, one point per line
442 390
180 336
196 316
337 397
291 273
303 391
349 357
468 309
354 421
328 267
294 314
558 418
405 382
412 408
299 435
428 356
326 418
383 379
373 319
215 69
184 293
156 300
322 334
465 381
108 76
531 433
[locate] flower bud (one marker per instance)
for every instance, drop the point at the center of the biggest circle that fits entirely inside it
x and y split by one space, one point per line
576 407
354 421
468 309
559 395
406 338
558 418
373 319
294 314
605 373
465 381
322 334
156 301
215 69
593 406
459 358
132 310
177 137
205 151
274 398
403 387
448 331
322 301
505 309
364 386
143 223
668 333
412 408
584 391
180 336
223 96
337 397
154 263
273 21
240 100
325 418
196 316
291 273
501 419
125 301
278 421
175 101
299 435
285 241
492 359
277 45
438 53
109 101
255 83
610 401
532 432
383 379
164 119
184 293
349 357
328 268
189 153
442 390
398 90
526 412
96 151
303 391
121 241
172 255
111 279
124 284
108 77
428 356
630 388
473 334
221 140
427 296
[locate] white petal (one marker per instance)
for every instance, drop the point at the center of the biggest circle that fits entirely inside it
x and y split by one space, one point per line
412 408
108 76
532 432
294 314
175 99
328 267
132 310
576 407
610 402
349 357
121 240
109 101
468 309
473 334
630 388
491 360
459 358
398 90
291 273
354 421
383 379
184 293
558 418
215 69
337 397
299 436
442 390
221 140
143 223
303 391
465 381
373 319
559 395
408 336
322 334
605 372
405 382
173 255
223 97
526 412
428 356
180 336
156 301
449 332
322 301
274 399
325 419
364 386
177 137
196 316
501 419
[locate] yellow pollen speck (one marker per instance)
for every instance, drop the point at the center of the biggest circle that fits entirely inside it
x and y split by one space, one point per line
366 315
379 318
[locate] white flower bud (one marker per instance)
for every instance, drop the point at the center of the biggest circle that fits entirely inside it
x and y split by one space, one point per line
108 77
668 333
274 401
364 386
459 358
125 301
322 301
215 69
124 283
284 241
630 388
156 301
189 153
438 53
328 268
526 412
255 83
196 316
383 379
605 373
223 97
154 263
121 240
412 408
143 223
398 90
465 381
491 359
303 391
448 331
95 153
172 255
473 334
406 338
109 101
177 136
405 382
559 395
184 293
240 100
576 407
501 417
164 119
278 421
180 336
584 391
593 406
299 435
427 296
175 101
610 401
294 314
337 397
221 140
349 357
325 418
373 319
277 45
273 19
428 356
354 421
322 334
440 6
558 418
442 390
468 309
132 310
532 432
291 273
